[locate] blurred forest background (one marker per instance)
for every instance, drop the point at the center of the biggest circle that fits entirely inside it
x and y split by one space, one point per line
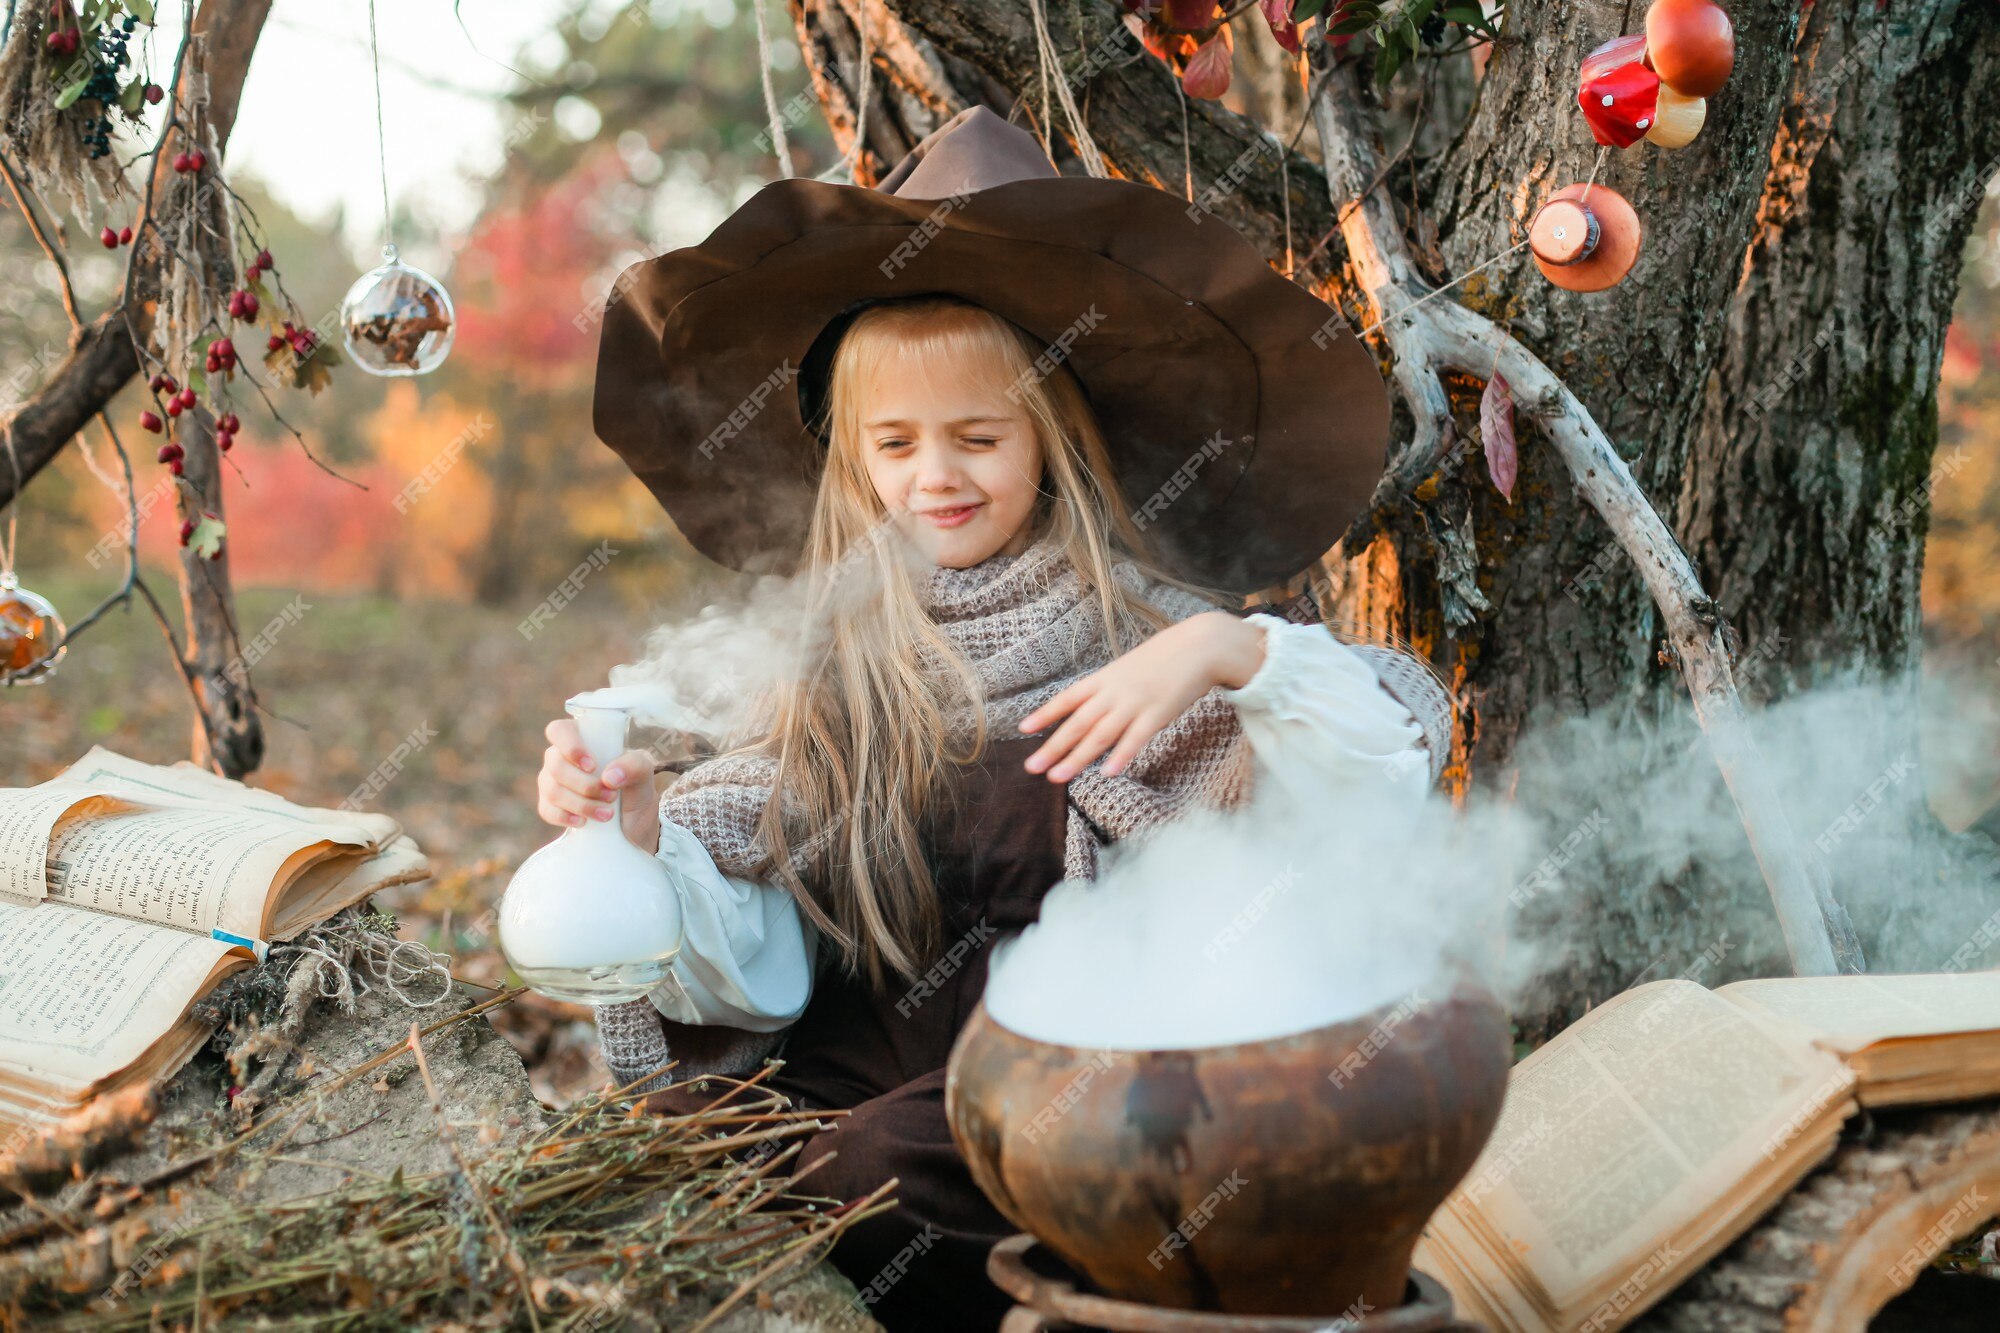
407 602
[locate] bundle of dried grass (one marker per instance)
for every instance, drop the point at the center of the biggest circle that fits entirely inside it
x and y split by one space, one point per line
609 1215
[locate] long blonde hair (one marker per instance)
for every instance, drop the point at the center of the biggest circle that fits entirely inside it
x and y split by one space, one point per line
864 728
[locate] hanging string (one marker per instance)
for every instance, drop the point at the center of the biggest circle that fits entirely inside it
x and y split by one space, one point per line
381 145
778 144
861 109
1187 153
1519 245
1439 291
13 506
1086 147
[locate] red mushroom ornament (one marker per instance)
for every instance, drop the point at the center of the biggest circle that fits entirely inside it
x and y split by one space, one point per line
1618 94
1585 238
1691 44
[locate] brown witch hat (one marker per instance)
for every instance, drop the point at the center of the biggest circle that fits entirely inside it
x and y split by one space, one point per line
1246 422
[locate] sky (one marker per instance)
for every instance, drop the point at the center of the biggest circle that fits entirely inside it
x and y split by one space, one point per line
307 126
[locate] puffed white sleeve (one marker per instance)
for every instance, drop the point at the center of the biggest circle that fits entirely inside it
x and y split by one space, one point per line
1319 719
748 958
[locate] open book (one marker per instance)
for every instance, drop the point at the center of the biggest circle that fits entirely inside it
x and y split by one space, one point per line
128 890
1657 1128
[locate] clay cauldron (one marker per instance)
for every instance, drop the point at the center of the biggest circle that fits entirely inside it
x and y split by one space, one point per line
1289 1176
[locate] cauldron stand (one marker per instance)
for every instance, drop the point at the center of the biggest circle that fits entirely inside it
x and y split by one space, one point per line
1054 1299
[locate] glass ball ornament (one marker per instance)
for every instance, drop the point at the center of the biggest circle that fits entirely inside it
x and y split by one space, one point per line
397 320
31 634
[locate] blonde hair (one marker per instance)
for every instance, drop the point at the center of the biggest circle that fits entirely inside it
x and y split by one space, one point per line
864 728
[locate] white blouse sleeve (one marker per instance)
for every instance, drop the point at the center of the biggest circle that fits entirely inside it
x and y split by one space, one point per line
748 958
1317 717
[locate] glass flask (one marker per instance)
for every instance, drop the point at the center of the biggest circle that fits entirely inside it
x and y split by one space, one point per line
591 918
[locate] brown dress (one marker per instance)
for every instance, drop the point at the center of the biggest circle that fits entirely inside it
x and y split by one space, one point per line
921 1265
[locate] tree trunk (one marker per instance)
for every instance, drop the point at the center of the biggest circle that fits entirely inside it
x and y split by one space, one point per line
1775 452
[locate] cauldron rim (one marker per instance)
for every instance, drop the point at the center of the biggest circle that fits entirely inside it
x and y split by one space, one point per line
1460 989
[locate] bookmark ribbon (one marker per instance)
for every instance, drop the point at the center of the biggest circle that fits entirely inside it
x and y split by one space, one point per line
259 949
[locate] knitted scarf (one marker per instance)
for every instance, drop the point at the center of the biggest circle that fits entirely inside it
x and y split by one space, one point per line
1029 626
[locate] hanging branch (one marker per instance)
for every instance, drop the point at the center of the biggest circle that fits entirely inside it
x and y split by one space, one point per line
1432 338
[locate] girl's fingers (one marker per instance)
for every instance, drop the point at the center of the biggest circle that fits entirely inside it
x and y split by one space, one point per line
1068 734
567 740
1096 743
564 774
631 767
1143 729
561 806
1060 706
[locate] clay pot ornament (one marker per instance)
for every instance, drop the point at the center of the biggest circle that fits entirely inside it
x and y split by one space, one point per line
1585 244
1691 45
1618 94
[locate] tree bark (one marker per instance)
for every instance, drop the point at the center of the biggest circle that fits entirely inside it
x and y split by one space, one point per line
1823 152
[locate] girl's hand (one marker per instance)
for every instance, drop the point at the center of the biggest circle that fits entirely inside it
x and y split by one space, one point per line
570 793
1125 703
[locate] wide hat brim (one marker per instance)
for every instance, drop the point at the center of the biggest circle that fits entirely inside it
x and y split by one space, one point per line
1246 423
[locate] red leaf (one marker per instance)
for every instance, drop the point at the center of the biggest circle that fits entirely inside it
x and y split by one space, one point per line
1496 432
1207 72
1278 13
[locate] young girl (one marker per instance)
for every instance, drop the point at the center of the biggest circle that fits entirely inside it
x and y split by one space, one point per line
1023 683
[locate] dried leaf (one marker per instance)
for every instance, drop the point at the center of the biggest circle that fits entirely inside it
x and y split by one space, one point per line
1207 73
1496 432
206 539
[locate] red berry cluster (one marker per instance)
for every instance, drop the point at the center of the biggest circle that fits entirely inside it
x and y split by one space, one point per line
302 340
65 41
222 352
113 239
186 161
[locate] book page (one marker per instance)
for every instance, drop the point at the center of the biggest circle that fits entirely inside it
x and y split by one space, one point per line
28 817
1642 1114
83 995
1854 1011
183 783
191 867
